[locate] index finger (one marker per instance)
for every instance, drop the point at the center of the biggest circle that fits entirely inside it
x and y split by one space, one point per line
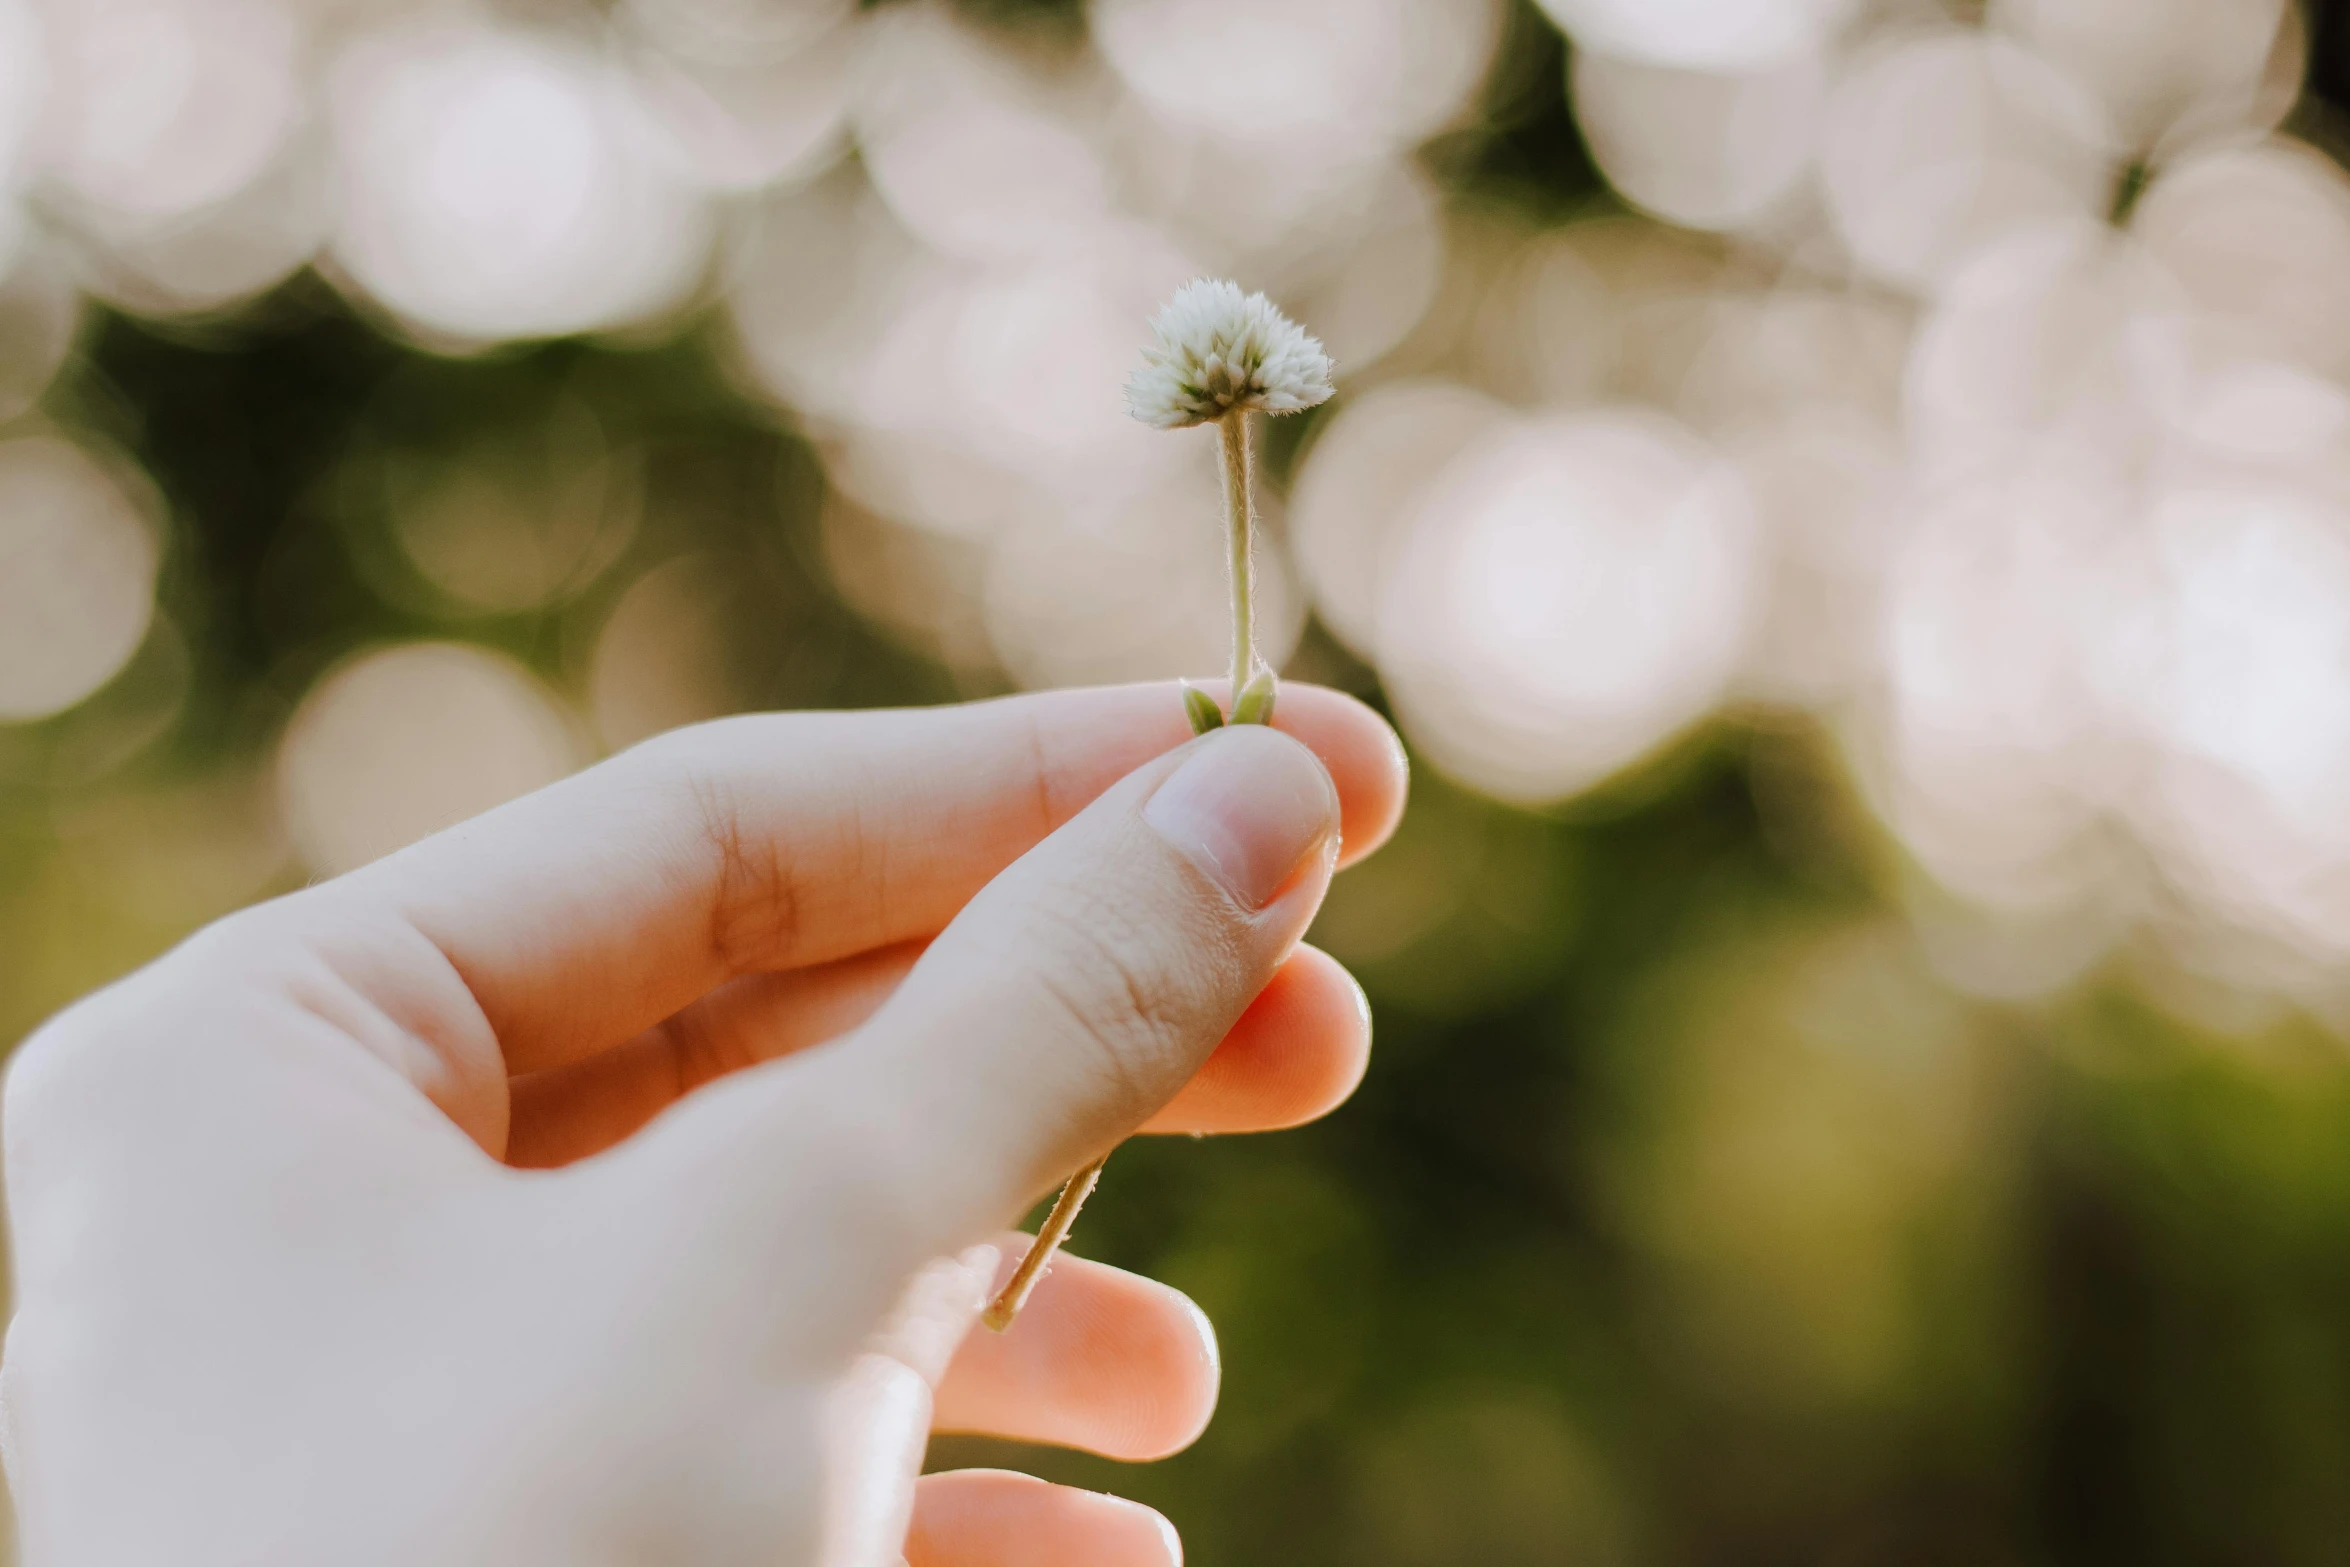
583 913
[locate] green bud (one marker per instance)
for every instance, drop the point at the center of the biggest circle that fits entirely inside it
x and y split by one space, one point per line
1254 705
1201 709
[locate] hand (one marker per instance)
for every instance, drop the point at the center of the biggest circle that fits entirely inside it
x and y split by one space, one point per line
790 1015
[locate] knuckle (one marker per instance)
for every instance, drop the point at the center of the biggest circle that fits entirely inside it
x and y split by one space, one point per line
1126 991
72 1065
33 1069
755 898
97 1033
242 943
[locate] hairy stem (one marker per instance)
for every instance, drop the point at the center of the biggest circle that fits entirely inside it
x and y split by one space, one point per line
1240 521
1001 1310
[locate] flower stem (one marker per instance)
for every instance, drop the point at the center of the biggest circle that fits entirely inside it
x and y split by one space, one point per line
1240 520
1001 1310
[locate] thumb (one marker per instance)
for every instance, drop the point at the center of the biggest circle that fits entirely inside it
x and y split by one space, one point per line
1087 984
1066 1002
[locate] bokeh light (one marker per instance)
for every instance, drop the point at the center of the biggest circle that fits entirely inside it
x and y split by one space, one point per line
2259 238
2249 703
165 107
1569 596
1333 72
662 657
23 86
1703 35
964 144
1131 592
1369 472
2056 339
40 313
404 741
2170 73
1939 141
2000 762
78 556
753 32
519 521
504 184
1700 148
1847 501
740 125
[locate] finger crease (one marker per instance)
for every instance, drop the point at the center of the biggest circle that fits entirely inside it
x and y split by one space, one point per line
755 909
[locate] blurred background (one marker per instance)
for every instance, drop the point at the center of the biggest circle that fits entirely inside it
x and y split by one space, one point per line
1848 500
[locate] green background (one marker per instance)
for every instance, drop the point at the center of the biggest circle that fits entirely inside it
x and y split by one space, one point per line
1685 1215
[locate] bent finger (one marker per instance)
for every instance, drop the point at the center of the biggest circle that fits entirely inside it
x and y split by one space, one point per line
588 911
1099 1359
569 1112
999 1518
1063 1007
1295 1054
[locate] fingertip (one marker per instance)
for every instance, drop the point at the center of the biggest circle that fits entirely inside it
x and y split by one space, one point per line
1206 1356
1247 807
999 1517
1297 1053
1170 1543
1349 1030
1189 1379
1365 757
1103 733
1100 1359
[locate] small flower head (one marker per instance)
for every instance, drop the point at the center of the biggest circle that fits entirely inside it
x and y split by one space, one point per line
1218 349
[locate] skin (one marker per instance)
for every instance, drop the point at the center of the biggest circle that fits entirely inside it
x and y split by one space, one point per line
615 1178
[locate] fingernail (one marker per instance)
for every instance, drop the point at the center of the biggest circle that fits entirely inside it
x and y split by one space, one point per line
1247 808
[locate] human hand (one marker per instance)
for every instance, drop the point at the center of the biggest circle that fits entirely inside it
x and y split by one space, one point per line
290 1291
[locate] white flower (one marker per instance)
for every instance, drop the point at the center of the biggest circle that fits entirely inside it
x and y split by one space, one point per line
1219 349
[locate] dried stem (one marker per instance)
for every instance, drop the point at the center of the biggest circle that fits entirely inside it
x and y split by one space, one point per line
1001 1310
1240 522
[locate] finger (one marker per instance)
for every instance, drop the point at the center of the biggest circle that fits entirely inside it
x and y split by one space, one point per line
1103 1360
586 912
997 1518
1063 1007
1099 1359
877 1417
1295 1054
569 1112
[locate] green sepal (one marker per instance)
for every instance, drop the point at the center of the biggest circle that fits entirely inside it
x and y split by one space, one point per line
1202 710
1254 705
